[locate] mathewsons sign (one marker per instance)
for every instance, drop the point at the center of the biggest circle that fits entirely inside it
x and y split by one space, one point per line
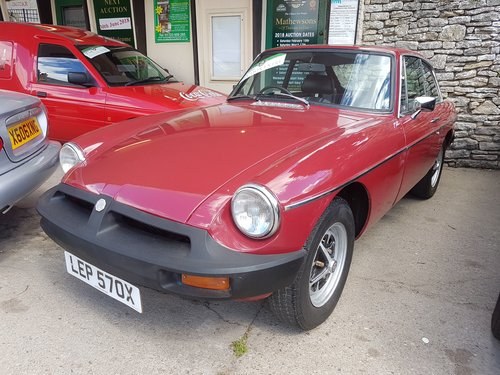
292 22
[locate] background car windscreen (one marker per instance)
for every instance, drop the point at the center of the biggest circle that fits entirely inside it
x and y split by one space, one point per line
121 66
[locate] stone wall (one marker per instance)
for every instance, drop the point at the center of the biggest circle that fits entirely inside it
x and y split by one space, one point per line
462 41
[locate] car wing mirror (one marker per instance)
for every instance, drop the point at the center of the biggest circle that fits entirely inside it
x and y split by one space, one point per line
427 103
79 78
423 104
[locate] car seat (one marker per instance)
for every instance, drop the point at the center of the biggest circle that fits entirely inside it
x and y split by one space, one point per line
318 88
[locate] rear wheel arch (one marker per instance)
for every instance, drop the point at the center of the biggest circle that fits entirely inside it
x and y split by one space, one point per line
356 195
448 139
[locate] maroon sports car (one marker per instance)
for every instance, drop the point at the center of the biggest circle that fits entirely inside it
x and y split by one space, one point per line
262 196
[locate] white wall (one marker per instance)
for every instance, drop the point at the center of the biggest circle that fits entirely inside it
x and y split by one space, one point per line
205 10
176 57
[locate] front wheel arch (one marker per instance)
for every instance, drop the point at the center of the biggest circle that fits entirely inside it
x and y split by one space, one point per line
356 196
313 295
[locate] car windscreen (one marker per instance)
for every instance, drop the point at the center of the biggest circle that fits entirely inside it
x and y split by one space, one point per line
356 79
124 66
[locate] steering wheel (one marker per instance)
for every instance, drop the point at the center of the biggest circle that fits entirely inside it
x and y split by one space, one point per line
272 89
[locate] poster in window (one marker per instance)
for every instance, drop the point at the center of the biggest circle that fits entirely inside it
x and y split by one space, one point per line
343 20
292 22
172 21
114 20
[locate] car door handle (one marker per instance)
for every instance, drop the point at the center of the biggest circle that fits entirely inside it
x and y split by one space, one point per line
41 94
435 119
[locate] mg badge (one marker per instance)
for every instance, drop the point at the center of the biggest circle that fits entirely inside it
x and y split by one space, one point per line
100 205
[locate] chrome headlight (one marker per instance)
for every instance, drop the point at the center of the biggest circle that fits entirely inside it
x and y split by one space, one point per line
70 155
255 211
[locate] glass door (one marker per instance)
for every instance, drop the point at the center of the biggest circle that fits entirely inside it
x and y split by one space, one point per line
72 13
225 40
226 56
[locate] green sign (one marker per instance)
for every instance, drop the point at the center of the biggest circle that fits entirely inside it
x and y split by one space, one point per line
172 21
294 22
114 20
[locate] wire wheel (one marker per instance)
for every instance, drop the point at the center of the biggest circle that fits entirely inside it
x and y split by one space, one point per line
311 298
328 264
438 165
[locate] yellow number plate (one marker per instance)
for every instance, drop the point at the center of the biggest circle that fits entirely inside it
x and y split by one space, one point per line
24 132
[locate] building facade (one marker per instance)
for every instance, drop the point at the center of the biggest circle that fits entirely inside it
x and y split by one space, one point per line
212 42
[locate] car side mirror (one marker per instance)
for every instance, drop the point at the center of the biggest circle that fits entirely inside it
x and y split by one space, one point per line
423 104
427 103
79 78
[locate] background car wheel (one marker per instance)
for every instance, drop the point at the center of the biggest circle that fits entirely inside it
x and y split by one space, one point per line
495 320
310 300
428 185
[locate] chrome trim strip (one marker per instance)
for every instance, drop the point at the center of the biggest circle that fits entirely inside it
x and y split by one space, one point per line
321 195
24 115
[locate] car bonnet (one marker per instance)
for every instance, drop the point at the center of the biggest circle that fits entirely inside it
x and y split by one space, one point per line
170 167
175 95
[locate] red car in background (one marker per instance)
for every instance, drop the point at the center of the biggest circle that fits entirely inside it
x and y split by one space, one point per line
260 196
87 81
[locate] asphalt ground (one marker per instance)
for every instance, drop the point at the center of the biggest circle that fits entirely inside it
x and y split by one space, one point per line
418 300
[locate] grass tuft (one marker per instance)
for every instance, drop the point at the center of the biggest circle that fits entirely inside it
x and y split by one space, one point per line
240 346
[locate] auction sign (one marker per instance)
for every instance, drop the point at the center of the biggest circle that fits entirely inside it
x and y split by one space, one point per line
114 20
292 23
172 21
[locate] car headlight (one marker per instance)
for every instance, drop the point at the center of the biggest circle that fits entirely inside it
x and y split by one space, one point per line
70 155
255 211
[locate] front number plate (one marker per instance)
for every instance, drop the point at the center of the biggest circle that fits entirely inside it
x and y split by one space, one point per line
24 132
111 285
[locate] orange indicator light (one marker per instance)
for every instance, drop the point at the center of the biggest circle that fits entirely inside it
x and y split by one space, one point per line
215 283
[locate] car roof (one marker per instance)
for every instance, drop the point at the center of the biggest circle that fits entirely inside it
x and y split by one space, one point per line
17 30
385 49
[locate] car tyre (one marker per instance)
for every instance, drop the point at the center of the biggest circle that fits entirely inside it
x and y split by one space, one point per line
495 320
428 185
311 298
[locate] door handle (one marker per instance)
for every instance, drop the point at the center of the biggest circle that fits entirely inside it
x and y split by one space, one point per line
41 94
435 119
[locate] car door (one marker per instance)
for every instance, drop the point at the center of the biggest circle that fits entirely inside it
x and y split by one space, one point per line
73 109
421 128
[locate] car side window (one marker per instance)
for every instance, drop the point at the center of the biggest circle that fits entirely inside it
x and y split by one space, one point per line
54 64
414 83
417 80
6 60
431 85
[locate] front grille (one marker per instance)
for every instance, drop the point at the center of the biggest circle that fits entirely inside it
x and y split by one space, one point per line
130 224
119 224
80 204
78 209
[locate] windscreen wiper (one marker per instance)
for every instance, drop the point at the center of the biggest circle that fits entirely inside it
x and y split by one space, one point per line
149 79
288 96
242 97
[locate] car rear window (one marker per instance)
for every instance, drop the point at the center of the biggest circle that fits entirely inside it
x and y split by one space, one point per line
5 60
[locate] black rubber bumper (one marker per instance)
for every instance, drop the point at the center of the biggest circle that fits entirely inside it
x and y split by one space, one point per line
150 251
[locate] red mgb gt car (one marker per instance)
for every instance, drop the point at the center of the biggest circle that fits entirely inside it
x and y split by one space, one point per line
262 196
